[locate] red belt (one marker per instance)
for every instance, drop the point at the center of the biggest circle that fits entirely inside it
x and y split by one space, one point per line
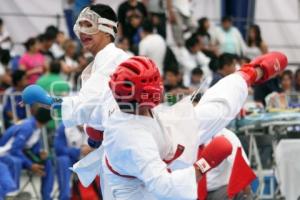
178 153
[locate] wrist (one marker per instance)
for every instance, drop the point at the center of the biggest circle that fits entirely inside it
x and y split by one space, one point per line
202 165
259 73
197 173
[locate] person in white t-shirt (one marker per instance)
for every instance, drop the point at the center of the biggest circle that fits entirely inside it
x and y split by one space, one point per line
152 45
191 57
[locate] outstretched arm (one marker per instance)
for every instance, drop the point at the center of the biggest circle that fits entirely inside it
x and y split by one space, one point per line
221 103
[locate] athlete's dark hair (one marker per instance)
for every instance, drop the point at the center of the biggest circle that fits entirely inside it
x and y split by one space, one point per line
106 12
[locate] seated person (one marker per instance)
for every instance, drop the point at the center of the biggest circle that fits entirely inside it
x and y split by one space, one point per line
226 66
19 80
191 56
173 85
23 141
70 144
196 78
282 99
54 84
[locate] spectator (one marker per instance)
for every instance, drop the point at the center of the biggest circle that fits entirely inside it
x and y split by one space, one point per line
152 45
297 80
23 142
229 38
196 78
5 77
131 14
69 64
46 40
282 99
57 47
208 47
256 46
191 57
226 66
286 81
180 17
172 79
173 85
19 80
33 62
157 14
52 82
69 144
123 43
5 40
55 85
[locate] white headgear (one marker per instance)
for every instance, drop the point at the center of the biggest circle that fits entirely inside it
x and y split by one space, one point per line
97 22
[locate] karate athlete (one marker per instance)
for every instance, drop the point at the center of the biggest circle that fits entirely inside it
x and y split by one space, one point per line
96 27
217 179
215 185
138 150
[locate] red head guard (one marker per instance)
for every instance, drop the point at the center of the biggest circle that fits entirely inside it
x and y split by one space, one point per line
137 80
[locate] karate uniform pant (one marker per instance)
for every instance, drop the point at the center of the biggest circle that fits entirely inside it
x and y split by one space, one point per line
221 194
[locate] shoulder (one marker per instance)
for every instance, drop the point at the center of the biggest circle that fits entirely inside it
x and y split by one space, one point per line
26 127
232 137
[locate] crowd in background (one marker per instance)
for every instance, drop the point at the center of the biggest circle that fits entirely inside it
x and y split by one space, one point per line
199 55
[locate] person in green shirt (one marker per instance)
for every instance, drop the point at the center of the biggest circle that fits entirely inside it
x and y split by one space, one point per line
55 85
52 82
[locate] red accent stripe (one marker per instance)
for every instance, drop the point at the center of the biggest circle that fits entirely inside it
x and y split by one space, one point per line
115 172
179 151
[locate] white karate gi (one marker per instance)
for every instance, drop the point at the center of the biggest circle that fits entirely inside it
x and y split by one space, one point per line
220 175
137 145
77 110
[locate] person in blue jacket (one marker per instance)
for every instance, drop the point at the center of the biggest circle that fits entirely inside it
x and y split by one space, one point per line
22 140
69 144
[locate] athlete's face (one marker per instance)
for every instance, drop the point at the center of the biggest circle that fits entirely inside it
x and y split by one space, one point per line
92 42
